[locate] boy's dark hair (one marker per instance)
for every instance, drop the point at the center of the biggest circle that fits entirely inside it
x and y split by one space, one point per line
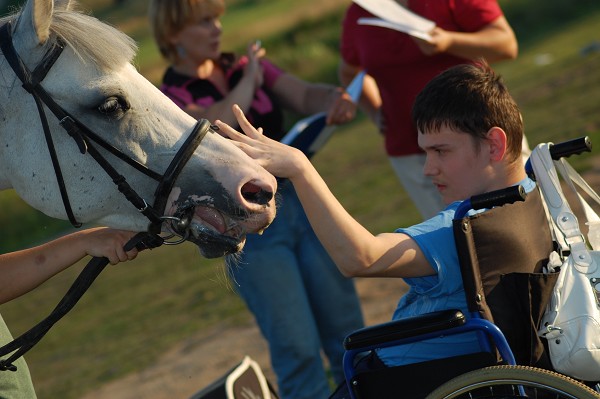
471 99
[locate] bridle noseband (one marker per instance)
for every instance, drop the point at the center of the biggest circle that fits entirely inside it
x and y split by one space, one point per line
85 139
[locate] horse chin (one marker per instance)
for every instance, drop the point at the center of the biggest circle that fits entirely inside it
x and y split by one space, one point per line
214 233
214 245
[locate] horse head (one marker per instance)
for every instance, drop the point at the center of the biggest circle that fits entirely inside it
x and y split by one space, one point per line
86 101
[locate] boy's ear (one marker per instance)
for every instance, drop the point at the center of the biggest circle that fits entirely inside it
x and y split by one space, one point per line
497 143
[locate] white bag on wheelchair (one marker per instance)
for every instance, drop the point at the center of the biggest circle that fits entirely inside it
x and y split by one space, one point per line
571 323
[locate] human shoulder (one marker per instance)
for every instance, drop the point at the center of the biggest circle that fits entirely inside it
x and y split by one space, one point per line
174 78
356 11
440 220
472 15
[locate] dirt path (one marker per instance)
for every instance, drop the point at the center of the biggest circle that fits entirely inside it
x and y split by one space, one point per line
199 360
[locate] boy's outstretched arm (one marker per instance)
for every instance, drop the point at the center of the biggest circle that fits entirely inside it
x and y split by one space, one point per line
353 248
22 271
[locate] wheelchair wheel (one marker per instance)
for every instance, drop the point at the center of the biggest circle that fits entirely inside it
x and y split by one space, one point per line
507 382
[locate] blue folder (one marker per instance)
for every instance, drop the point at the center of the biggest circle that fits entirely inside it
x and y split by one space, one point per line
311 133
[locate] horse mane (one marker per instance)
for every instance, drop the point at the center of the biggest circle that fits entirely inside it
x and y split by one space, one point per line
91 40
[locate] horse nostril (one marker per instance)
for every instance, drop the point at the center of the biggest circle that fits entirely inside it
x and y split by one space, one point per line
253 193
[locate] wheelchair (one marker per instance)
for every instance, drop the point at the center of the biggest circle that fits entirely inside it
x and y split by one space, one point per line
501 252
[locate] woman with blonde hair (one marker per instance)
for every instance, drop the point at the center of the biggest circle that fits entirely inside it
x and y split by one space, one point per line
300 300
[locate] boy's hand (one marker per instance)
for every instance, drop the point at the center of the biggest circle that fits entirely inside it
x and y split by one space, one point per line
279 159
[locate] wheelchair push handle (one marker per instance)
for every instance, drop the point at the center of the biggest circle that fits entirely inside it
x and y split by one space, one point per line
563 150
571 147
500 197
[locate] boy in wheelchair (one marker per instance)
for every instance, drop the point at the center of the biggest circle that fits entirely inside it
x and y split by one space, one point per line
471 131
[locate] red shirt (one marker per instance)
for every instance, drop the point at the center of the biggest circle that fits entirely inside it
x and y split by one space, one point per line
400 69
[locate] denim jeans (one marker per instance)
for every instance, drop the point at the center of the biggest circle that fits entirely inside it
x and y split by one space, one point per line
300 300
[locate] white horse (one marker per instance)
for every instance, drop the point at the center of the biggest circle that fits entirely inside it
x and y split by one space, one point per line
212 194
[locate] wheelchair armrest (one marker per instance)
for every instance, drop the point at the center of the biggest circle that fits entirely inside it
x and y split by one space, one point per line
404 328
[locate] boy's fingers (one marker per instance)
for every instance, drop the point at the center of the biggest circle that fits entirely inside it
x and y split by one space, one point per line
244 124
250 132
228 131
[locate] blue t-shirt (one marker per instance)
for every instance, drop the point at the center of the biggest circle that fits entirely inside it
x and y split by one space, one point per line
440 291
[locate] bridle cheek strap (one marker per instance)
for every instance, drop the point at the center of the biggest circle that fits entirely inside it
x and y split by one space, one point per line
181 158
29 84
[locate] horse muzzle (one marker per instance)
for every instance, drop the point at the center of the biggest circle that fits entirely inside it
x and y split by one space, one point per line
215 233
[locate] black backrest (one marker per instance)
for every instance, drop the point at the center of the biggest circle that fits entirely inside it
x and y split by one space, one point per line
502 252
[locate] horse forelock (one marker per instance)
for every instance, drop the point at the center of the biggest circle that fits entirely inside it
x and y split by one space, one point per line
91 40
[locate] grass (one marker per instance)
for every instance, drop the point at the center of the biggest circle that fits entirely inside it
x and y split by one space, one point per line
135 312
555 82
26 225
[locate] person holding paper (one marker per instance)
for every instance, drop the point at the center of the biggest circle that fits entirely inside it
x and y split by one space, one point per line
302 303
399 65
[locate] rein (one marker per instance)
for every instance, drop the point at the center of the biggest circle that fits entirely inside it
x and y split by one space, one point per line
85 139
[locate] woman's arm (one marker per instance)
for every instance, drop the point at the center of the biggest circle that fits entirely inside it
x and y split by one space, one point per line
370 99
496 41
242 94
22 271
309 98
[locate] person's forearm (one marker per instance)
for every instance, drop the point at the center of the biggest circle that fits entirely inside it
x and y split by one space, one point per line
355 250
304 97
242 95
493 46
22 271
494 42
348 243
318 97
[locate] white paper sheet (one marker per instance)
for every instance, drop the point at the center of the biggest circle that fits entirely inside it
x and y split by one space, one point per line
399 27
394 16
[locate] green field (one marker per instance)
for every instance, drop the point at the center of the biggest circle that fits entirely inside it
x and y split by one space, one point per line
136 311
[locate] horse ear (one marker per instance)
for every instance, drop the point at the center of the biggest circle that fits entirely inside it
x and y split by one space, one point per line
35 18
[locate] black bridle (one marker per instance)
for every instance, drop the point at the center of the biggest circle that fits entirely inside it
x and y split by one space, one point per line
85 139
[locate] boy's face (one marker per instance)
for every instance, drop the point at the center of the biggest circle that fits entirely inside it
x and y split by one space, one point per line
457 168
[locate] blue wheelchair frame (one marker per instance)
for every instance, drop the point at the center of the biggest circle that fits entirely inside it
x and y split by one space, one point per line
430 325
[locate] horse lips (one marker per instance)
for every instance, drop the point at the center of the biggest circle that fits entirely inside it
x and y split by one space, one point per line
214 233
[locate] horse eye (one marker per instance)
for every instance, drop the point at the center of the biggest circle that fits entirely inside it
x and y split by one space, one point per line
113 106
